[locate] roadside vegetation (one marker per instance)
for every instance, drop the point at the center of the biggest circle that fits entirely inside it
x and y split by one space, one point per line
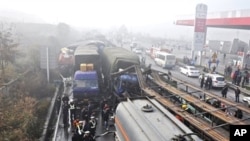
24 97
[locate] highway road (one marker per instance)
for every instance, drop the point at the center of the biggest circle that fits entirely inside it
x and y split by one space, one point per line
65 134
195 81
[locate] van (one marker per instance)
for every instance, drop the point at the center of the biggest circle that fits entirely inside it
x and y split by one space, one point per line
165 60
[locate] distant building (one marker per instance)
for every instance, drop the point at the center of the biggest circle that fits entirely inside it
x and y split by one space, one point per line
228 46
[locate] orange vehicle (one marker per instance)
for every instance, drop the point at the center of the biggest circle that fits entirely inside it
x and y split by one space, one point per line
66 57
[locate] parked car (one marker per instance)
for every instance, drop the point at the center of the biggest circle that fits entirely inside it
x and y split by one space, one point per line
190 71
218 80
137 50
246 99
147 51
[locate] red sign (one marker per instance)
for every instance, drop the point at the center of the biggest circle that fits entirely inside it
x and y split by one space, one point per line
200 25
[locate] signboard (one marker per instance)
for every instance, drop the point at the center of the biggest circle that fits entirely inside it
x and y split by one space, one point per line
49 53
200 27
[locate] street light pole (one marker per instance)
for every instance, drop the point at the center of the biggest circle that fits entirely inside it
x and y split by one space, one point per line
47 53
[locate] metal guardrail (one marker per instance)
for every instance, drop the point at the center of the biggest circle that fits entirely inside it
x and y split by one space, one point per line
44 136
243 90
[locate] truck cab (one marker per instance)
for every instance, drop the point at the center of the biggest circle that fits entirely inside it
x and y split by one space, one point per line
85 85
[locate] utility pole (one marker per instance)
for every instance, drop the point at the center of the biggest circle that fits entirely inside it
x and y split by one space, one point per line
47 53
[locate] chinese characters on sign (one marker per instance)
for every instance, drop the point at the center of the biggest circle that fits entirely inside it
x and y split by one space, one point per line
200 27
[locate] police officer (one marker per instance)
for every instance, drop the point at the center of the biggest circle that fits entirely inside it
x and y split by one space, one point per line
72 110
87 136
92 125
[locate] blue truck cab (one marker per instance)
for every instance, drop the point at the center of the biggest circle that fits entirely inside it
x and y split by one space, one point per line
85 85
126 82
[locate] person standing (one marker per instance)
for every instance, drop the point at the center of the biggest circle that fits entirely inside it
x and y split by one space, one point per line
224 91
65 109
209 63
210 82
202 81
84 113
217 62
213 69
237 94
238 79
92 125
206 82
106 111
58 104
169 75
72 110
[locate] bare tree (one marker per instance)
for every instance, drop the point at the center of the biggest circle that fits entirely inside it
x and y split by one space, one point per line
7 47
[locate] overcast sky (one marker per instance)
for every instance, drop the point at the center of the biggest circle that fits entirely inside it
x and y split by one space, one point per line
106 13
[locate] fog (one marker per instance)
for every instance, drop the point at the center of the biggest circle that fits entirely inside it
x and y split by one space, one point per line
154 18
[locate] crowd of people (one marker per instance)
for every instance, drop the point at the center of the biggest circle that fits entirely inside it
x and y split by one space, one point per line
207 83
83 125
240 77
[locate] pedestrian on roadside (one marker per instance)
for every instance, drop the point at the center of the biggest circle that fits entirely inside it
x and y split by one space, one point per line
224 91
225 71
209 82
238 79
217 62
58 104
237 94
206 83
209 63
213 69
169 75
202 81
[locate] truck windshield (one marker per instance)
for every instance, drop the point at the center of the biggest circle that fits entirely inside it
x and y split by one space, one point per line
86 83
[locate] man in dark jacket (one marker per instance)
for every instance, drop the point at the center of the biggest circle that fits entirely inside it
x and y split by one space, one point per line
202 81
209 82
224 91
237 94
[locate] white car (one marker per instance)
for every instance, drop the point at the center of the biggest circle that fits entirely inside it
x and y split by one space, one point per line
217 80
190 71
147 51
246 100
137 50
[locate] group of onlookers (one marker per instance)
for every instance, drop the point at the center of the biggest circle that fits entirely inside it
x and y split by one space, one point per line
240 77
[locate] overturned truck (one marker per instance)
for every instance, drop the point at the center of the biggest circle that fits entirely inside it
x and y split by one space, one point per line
117 60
